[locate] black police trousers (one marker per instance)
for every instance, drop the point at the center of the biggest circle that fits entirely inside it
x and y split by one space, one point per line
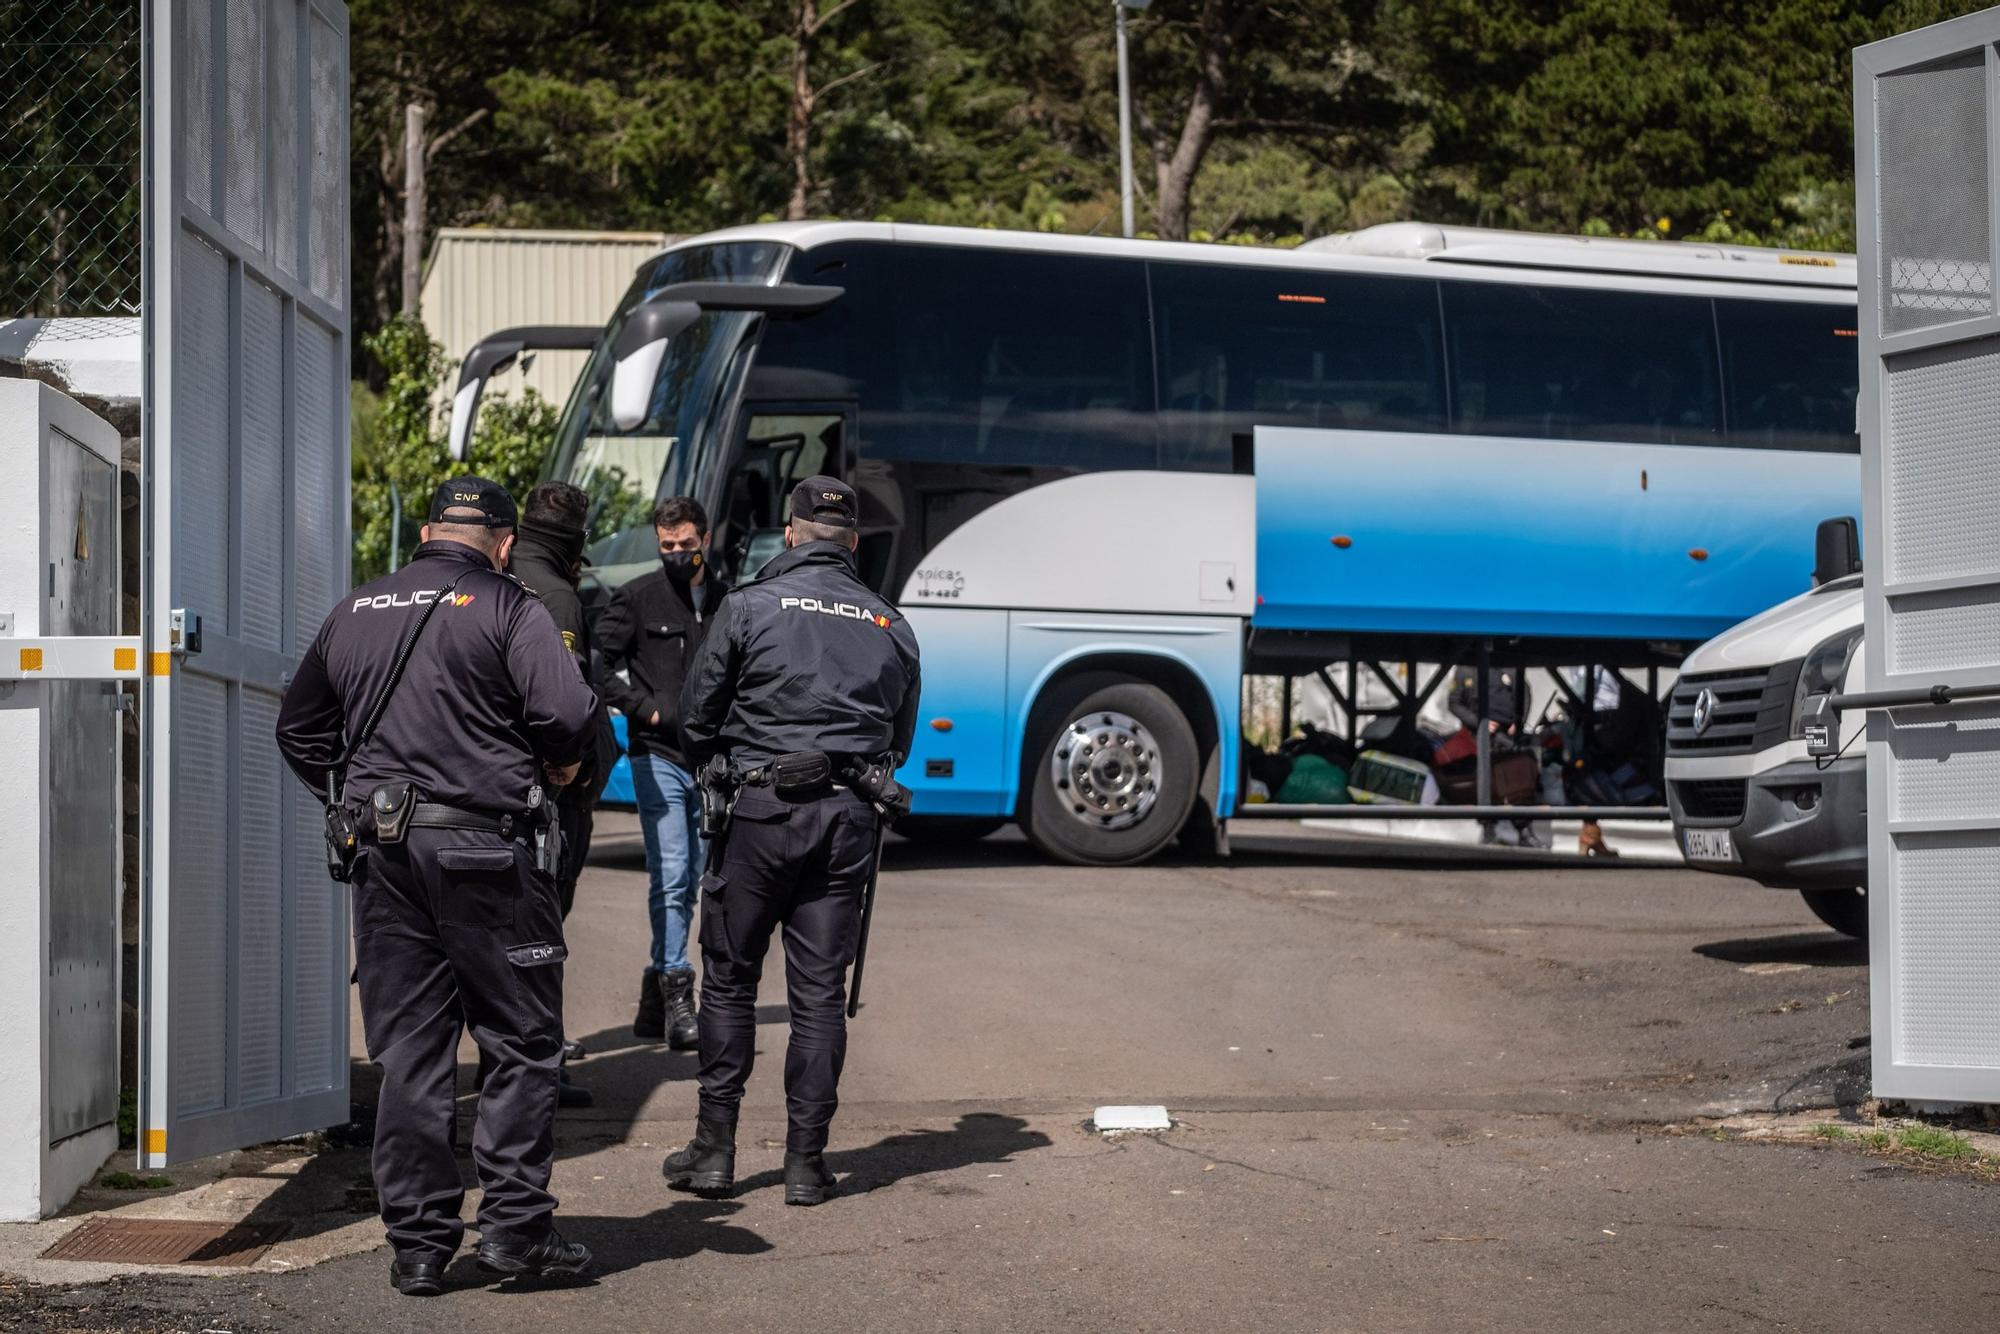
458 931
802 864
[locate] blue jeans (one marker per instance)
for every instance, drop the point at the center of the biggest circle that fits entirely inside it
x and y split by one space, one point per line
670 819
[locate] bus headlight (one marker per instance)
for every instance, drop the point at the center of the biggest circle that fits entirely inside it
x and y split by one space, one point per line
1824 669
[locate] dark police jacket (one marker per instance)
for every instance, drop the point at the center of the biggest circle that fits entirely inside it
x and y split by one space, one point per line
490 693
548 571
652 632
803 658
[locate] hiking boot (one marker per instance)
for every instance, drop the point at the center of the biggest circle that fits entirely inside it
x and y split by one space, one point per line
416 1277
677 995
808 1180
1590 841
707 1166
551 1257
651 1021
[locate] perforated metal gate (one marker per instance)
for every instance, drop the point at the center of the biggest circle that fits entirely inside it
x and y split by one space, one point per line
244 952
1927 122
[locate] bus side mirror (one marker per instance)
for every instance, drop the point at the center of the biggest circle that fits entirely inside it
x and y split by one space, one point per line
641 346
1836 550
495 353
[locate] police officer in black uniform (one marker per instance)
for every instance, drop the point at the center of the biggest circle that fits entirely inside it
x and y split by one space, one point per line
455 925
803 660
548 557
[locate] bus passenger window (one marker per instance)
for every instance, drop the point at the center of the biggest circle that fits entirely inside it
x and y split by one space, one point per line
1792 370
1559 363
1244 346
1014 359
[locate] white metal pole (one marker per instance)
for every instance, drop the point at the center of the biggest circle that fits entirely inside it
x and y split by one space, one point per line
1124 122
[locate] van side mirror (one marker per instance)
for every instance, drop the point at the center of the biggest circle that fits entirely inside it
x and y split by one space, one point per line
1836 550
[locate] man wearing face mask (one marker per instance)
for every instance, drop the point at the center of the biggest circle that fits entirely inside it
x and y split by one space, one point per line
649 636
547 556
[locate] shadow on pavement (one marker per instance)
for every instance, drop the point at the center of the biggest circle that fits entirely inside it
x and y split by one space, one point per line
979 1137
1815 949
673 1232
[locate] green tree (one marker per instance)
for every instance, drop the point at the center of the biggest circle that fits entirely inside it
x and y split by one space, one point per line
1624 115
399 448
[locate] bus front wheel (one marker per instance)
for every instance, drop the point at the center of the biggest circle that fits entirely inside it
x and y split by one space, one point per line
1113 773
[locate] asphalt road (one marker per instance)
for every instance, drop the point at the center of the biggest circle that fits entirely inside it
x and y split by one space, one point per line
1415 1089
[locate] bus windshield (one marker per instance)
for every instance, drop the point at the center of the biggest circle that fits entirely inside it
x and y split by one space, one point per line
624 472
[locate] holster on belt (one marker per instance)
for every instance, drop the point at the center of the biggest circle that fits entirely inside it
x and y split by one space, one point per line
718 782
343 835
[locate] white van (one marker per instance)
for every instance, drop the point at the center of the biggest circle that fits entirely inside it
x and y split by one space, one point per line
1746 798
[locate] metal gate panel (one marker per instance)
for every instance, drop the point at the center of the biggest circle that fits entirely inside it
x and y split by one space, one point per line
244 952
84 962
1927 106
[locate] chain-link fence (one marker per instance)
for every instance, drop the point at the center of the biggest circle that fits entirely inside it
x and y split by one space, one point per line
69 157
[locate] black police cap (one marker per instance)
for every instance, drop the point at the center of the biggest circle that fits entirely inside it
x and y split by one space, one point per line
826 500
494 507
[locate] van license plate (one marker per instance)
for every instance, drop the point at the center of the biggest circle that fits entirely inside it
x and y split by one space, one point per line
1709 845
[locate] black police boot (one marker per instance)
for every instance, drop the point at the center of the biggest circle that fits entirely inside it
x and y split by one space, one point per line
707 1166
416 1277
651 1022
551 1257
808 1180
677 995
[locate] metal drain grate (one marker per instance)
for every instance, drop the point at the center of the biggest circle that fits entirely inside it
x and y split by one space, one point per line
151 1241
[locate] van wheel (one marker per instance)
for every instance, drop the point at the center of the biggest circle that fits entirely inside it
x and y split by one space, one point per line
1845 910
935 831
1112 774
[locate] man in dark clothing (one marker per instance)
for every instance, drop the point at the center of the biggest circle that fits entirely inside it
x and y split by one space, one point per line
548 557
649 634
803 659
455 926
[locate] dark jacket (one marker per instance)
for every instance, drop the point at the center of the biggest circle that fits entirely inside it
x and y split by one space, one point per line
804 658
489 695
547 567
1508 697
651 632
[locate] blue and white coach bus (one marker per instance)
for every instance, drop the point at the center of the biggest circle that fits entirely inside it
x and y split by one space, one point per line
1106 479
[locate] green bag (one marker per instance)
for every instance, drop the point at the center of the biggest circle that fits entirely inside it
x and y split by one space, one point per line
1314 781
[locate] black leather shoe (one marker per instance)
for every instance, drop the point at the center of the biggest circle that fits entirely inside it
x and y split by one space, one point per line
552 1257
573 1050
808 1180
417 1278
650 1024
573 1095
677 995
707 1166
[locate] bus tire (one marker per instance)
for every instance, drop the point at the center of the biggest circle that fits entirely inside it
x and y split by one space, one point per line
1112 773
1845 910
936 831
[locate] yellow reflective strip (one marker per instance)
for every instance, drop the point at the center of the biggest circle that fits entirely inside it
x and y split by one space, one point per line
124 660
163 664
31 660
156 1141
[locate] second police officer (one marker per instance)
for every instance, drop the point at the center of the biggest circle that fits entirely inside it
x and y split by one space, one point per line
806 690
437 708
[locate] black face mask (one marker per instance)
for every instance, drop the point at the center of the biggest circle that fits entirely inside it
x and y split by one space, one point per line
681 566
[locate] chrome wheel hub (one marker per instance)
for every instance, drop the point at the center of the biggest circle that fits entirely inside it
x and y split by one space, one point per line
1106 770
